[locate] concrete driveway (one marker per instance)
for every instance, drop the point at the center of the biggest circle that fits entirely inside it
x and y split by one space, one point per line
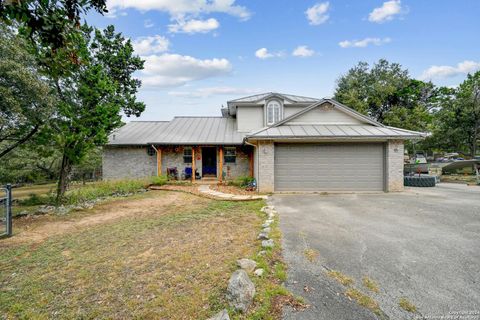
422 245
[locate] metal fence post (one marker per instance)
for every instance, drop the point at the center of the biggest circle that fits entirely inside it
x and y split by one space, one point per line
9 209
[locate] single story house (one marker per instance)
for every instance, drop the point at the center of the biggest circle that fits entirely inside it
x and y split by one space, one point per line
287 142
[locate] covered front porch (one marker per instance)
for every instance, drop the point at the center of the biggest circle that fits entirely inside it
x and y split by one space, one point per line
204 163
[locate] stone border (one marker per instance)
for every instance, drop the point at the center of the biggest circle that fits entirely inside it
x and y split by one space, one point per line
241 290
205 191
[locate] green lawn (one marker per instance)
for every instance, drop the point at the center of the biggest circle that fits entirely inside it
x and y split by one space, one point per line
158 255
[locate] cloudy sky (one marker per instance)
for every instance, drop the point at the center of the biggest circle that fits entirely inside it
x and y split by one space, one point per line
201 53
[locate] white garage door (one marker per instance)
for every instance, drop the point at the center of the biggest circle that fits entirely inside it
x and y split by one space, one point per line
329 167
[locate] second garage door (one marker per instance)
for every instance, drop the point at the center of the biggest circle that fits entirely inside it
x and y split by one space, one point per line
329 167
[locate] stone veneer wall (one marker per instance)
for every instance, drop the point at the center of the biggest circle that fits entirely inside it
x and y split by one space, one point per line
394 159
127 163
134 162
266 163
241 167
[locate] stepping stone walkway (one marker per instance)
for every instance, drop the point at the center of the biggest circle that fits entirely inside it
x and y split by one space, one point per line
205 188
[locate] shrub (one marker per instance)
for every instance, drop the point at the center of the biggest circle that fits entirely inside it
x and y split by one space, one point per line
101 189
242 181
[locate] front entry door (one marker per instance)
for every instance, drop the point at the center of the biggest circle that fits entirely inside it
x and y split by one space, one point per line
209 161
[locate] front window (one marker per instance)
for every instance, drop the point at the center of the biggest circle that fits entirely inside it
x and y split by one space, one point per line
273 112
230 155
187 155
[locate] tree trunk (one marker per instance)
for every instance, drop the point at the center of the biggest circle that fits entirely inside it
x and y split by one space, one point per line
64 178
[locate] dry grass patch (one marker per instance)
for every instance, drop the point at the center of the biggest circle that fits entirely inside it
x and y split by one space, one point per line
370 284
364 300
407 305
340 277
169 262
311 254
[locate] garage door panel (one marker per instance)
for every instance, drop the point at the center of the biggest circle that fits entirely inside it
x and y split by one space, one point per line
329 167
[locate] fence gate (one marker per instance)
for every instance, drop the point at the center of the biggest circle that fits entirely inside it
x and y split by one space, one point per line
6 211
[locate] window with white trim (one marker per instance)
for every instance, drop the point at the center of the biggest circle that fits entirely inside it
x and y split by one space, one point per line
187 155
274 112
230 155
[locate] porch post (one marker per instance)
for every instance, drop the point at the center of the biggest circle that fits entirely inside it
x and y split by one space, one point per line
220 164
193 164
159 161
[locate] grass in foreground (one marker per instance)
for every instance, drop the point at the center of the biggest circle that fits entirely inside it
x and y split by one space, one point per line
370 284
311 254
407 305
340 277
171 262
31 197
364 300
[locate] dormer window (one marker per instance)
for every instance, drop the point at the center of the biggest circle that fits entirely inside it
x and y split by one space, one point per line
274 112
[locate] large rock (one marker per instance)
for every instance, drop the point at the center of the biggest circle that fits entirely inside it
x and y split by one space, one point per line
240 290
222 315
268 243
263 236
259 272
247 264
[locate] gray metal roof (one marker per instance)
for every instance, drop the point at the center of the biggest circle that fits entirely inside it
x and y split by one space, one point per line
262 96
333 131
181 130
136 132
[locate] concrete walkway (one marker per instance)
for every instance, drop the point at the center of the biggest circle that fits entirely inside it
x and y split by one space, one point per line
205 188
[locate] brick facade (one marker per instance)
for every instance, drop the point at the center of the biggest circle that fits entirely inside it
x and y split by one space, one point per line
266 164
394 162
128 163
134 162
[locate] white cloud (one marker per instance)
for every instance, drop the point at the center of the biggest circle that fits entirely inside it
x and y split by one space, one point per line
439 72
114 13
386 12
179 8
303 51
318 13
263 53
363 43
213 91
150 45
148 23
168 70
194 26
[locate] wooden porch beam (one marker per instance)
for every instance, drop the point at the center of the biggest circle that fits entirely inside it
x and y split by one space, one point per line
220 164
193 164
159 161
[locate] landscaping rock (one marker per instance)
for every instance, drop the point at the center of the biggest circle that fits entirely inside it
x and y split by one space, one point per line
263 236
271 215
262 253
267 208
63 210
240 290
247 264
267 230
45 209
222 315
268 243
259 272
266 225
269 221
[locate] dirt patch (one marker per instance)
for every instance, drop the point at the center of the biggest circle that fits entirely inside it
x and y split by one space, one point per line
38 228
167 256
233 190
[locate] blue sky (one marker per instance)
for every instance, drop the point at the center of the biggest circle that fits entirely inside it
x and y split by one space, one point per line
201 53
